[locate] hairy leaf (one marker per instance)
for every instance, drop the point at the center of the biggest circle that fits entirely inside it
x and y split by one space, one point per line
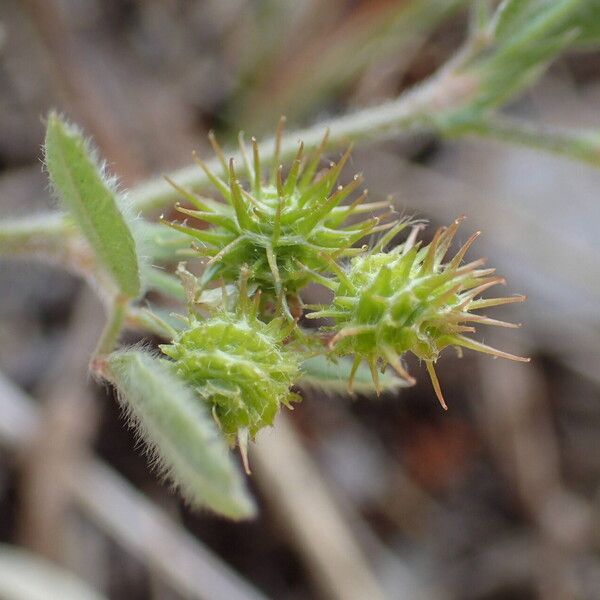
91 198
181 433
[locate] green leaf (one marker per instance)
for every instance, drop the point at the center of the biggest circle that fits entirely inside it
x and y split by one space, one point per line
165 283
90 196
511 71
534 34
332 377
180 431
170 286
25 576
161 243
552 18
511 15
526 36
587 21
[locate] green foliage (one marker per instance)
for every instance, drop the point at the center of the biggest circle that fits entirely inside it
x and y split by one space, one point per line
161 245
513 15
527 38
280 227
587 21
91 198
178 429
511 52
237 355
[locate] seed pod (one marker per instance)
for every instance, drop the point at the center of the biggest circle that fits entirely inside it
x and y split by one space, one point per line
409 300
239 365
284 229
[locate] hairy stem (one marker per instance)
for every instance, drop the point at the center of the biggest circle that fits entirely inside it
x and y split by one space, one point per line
45 235
572 143
445 91
110 334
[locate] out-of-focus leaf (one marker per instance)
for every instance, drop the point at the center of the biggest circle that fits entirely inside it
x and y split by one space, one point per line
544 21
512 70
587 20
181 433
170 286
91 198
526 37
162 244
158 321
24 576
332 377
511 15
165 283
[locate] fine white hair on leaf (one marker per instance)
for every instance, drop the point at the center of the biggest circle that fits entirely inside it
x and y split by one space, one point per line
79 178
182 440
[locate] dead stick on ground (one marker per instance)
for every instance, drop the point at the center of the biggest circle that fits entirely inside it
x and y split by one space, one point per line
513 413
67 419
305 506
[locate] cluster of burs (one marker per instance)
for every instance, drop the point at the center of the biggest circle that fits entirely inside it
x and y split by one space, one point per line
274 231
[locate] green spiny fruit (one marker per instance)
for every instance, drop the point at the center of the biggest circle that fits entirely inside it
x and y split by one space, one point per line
239 365
410 300
286 231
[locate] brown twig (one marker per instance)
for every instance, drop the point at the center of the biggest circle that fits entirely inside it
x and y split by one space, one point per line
514 417
312 520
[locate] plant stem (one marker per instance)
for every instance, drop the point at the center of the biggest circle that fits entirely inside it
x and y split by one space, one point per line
445 91
110 333
572 143
44 235
448 90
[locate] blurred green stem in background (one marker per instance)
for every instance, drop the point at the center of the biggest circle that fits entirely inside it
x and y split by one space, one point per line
46 235
572 143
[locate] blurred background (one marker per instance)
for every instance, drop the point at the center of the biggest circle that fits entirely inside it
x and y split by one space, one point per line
367 498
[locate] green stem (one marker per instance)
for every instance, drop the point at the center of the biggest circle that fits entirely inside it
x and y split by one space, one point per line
43 235
448 91
111 332
407 113
572 143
